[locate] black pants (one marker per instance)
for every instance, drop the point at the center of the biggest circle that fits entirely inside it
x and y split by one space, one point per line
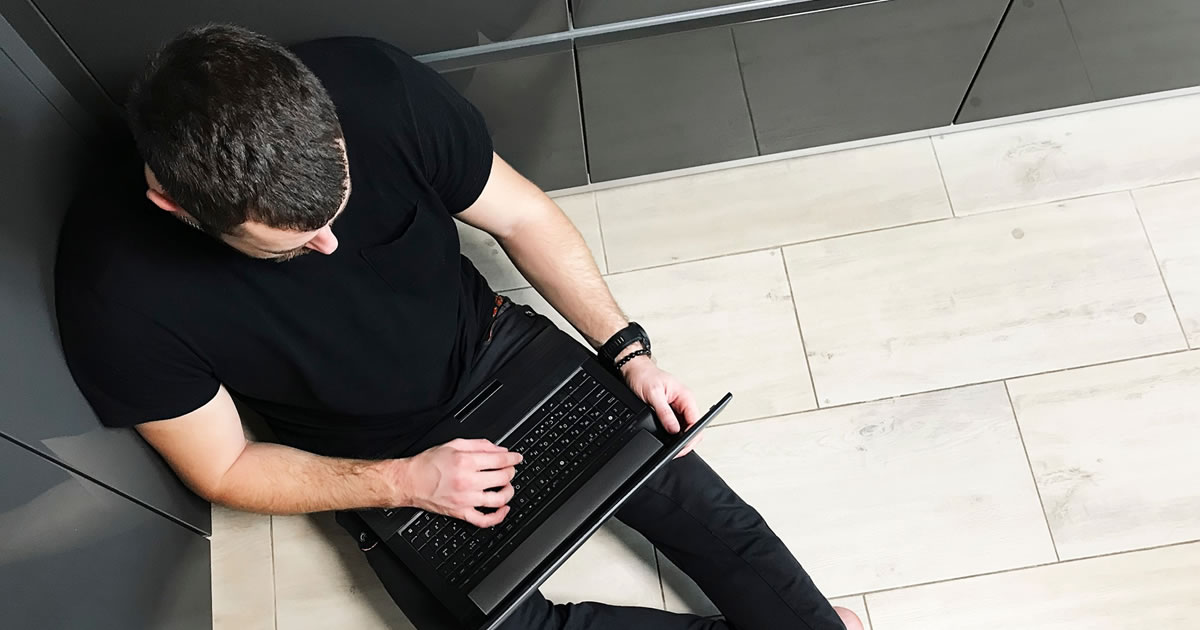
693 518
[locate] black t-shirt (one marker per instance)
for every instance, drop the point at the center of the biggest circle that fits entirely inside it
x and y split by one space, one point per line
342 354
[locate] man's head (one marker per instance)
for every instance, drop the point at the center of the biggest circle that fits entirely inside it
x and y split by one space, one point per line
241 140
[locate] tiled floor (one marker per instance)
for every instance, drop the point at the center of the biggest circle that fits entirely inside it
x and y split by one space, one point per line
965 390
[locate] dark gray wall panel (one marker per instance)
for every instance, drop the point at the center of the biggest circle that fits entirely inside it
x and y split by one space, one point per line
593 12
39 403
1033 65
663 103
113 37
1137 47
532 109
862 71
29 42
75 555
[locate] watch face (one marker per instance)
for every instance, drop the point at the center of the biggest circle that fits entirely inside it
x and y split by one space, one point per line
641 333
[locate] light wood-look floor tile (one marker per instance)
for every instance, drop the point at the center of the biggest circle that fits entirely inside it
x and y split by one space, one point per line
856 604
980 298
721 325
891 493
616 566
243 582
1071 156
1172 217
323 581
1144 589
771 204
1113 448
494 264
682 595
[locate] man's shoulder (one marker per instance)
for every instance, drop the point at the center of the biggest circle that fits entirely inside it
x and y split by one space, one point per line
336 58
114 242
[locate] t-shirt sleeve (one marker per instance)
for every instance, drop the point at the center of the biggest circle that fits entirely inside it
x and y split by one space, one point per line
130 368
452 135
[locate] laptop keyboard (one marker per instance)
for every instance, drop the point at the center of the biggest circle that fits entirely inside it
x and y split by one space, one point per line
576 426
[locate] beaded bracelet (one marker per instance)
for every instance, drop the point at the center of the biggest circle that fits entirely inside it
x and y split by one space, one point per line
631 356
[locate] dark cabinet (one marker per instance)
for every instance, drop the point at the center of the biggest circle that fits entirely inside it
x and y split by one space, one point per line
75 555
1033 65
112 38
663 103
862 71
40 155
532 109
1054 53
1137 47
593 12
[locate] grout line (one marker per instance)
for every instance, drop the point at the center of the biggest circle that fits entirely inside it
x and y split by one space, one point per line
942 175
831 237
1032 476
867 612
1095 193
1040 565
885 228
776 416
1158 266
1165 183
600 229
767 248
756 250
737 57
796 314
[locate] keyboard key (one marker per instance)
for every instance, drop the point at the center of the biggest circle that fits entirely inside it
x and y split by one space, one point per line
559 441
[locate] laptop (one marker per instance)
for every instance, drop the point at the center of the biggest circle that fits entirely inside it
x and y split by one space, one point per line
588 443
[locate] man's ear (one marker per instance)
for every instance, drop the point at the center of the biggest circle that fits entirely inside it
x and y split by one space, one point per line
162 201
154 192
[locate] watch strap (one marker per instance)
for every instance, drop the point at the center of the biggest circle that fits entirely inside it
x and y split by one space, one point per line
627 336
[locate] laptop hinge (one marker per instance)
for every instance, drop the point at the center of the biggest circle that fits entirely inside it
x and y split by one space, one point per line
477 400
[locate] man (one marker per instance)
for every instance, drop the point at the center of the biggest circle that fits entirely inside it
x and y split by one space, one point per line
286 235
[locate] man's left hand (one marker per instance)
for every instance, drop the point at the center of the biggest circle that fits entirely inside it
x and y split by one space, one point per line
669 398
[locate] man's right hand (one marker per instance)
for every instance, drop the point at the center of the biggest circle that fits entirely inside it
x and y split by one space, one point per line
456 478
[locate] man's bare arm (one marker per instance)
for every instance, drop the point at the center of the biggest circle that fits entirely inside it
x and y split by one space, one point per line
548 251
551 254
209 451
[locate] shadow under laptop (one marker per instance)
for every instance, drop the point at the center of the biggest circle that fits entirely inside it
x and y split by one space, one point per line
321 576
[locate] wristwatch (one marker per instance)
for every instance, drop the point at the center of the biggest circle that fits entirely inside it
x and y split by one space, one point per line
624 338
